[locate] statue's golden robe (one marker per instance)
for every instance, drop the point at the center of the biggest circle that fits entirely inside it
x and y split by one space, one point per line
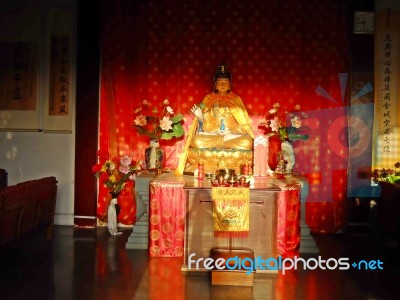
232 111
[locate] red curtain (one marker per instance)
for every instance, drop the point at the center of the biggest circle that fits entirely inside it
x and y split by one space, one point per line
290 52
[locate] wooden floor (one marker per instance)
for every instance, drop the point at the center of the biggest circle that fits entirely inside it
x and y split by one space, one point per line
90 264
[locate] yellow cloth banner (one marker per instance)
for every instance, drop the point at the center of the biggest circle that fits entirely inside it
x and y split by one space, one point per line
230 210
386 136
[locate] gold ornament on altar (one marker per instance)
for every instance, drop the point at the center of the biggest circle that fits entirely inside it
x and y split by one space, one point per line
281 167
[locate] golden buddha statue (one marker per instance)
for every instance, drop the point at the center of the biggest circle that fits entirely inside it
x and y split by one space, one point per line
221 127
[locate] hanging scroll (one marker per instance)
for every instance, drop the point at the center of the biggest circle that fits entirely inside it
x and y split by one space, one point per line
59 106
19 109
59 103
387 61
18 78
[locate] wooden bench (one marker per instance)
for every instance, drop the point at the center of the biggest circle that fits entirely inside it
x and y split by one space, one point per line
27 207
3 179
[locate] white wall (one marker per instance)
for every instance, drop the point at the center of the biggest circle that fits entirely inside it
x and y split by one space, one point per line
33 155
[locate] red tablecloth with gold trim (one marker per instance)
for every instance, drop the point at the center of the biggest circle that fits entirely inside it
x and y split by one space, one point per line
167 219
288 227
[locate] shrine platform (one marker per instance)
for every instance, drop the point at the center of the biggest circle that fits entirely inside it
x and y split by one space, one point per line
276 208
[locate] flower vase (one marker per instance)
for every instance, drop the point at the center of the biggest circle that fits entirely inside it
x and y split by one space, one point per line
154 155
288 155
114 195
112 214
274 147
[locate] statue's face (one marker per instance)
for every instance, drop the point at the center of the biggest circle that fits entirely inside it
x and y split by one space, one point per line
223 85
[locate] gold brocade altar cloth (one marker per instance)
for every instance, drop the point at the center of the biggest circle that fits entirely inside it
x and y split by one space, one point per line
231 211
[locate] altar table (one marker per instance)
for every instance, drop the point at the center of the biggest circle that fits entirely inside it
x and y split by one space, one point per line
174 230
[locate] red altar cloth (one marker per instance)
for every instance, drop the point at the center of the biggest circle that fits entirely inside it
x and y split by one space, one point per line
288 227
168 210
167 219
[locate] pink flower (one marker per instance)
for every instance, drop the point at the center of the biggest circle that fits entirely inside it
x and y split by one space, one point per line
273 110
275 124
296 122
124 169
116 172
165 124
140 120
112 166
126 160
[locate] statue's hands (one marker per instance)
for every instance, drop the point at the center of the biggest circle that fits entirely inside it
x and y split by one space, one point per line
224 132
197 112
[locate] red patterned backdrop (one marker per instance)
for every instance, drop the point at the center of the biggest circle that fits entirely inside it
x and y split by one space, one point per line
290 52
